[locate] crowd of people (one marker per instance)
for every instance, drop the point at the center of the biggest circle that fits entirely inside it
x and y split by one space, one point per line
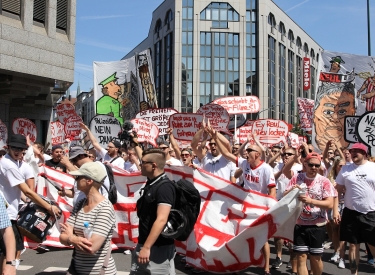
336 189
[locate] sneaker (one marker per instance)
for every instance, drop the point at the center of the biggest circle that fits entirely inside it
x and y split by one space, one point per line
188 267
42 249
198 271
341 263
335 257
127 252
327 245
289 265
371 262
183 260
18 261
276 264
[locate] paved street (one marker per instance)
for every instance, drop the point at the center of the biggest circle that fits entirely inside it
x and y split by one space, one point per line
56 262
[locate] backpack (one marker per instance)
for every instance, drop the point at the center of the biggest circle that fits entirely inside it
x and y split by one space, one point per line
112 192
184 215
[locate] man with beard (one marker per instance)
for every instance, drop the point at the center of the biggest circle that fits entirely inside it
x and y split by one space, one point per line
55 162
333 102
357 181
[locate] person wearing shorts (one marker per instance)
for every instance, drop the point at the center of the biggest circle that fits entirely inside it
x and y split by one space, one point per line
316 193
358 218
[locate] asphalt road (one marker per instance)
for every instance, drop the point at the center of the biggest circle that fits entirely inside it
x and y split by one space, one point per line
57 260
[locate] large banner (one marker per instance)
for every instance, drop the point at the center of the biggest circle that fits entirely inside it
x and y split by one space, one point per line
124 88
346 87
231 229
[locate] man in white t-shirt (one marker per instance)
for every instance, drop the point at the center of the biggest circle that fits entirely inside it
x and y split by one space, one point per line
78 157
357 225
111 154
309 231
132 164
13 182
164 145
258 176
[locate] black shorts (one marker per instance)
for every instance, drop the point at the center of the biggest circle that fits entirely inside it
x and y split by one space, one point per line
309 238
357 227
17 235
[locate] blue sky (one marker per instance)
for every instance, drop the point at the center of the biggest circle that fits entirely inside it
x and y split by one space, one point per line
108 30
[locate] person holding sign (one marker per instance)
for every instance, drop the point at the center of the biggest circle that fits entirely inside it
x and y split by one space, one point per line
357 225
111 154
258 176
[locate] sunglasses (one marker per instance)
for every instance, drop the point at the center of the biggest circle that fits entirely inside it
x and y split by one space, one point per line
185 155
146 162
310 151
163 148
330 153
17 149
212 143
275 151
312 165
287 154
235 148
249 150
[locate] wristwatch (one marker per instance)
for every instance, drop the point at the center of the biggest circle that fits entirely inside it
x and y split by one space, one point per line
12 263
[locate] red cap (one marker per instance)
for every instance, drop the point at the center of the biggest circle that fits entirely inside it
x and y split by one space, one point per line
313 156
359 146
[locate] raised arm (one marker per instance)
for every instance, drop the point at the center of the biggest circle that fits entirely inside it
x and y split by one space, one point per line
198 150
222 147
325 154
93 140
174 144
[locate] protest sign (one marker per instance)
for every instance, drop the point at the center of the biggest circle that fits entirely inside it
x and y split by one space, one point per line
239 104
302 139
159 117
64 111
349 128
72 128
185 125
270 131
365 130
57 133
243 133
306 113
217 115
3 134
105 129
146 130
24 127
241 120
293 140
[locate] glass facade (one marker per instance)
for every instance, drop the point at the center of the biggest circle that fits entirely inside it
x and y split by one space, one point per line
282 82
271 77
291 87
168 71
219 14
187 56
251 49
157 72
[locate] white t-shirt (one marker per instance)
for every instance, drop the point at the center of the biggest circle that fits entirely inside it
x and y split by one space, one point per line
10 177
359 182
119 162
258 178
174 162
130 167
283 181
78 195
28 172
218 166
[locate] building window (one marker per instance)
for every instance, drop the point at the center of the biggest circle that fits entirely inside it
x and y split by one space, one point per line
220 14
168 71
39 12
272 22
299 44
271 76
168 19
306 49
282 31
251 48
282 79
157 72
312 55
299 76
291 85
312 79
11 7
62 15
157 29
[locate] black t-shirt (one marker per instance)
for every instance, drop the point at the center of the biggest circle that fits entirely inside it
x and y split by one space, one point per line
165 193
56 165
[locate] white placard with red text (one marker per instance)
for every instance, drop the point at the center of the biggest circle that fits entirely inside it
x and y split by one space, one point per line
217 115
270 131
146 130
57 133
185 125
25 127
72 127
306 113
64 111
159 117
293 140
239 104
3 134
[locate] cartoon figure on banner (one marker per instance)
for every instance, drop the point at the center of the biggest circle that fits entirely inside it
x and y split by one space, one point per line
336 62
333 102
108 104
369 87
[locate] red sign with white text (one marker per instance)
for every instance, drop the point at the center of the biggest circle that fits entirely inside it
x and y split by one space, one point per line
306 74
